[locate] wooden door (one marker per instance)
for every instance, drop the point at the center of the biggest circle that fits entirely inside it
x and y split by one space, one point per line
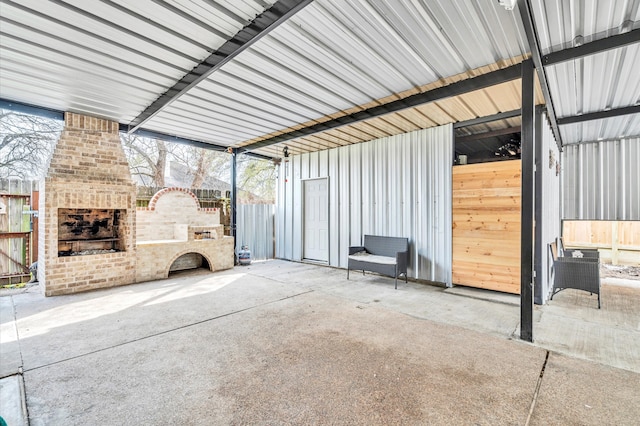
486 225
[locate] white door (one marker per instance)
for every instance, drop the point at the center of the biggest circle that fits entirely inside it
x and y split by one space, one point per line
316 220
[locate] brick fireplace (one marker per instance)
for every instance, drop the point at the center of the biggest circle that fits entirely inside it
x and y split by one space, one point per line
87 211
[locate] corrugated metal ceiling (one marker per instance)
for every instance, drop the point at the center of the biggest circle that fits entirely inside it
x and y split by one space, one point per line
114 58
109 58
336 57
597 82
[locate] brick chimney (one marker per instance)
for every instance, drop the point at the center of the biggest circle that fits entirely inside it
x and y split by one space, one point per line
87 211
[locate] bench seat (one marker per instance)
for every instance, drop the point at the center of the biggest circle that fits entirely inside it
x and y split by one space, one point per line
383 255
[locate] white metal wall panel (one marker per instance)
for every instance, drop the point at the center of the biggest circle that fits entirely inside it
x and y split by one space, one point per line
400 186
255 228
333 171
354 175
344 207
280 209
550 208
300 171
601 180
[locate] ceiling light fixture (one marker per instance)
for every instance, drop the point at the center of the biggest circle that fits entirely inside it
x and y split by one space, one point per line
507 4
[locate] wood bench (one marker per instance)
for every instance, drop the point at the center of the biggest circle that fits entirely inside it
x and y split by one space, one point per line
384 255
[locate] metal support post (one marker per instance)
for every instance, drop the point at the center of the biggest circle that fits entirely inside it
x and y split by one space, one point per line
234 199
527 223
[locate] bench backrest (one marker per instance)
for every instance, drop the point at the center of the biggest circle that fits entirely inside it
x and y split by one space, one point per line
385 246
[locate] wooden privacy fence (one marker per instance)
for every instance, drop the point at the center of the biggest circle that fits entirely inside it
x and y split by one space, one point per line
618 241
17 250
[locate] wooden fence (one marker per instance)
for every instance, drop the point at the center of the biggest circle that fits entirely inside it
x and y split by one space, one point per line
618 241
17 245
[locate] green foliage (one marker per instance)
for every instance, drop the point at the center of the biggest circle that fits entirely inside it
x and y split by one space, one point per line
257 178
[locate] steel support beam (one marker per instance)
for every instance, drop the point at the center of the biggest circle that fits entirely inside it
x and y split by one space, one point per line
527 201
59 115
258 28
233 205
488 118
484 135
453 89
524 6
185 141
31 109
593 47
599 115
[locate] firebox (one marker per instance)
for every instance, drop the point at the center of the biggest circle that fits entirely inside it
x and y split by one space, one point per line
89 231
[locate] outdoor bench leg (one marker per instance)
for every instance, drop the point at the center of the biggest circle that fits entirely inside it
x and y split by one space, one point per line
396 275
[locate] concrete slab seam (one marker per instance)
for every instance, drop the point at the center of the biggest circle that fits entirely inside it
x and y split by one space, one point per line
17 334
168 331
537 390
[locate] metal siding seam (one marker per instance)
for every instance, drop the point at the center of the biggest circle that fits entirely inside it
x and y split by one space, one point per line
323 163
418 208
383 162
333 168
407 187
343 193
367 203
291 181
301 172
356 200
280 209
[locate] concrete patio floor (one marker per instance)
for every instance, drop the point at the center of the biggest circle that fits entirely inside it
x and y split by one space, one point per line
289 343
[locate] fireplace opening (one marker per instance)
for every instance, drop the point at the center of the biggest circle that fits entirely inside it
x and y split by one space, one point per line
90 231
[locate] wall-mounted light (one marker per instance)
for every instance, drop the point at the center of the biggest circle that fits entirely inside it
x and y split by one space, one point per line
285 152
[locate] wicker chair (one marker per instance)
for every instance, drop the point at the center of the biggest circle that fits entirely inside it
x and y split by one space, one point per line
577 273
583 253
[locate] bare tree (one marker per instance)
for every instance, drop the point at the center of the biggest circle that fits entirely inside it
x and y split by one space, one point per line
26 144
147 158
202 164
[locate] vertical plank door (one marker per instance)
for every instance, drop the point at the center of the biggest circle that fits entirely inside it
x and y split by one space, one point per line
486 225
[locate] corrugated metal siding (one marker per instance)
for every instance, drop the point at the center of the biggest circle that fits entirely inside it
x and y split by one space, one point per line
255 228
395 186
550 207
601 181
